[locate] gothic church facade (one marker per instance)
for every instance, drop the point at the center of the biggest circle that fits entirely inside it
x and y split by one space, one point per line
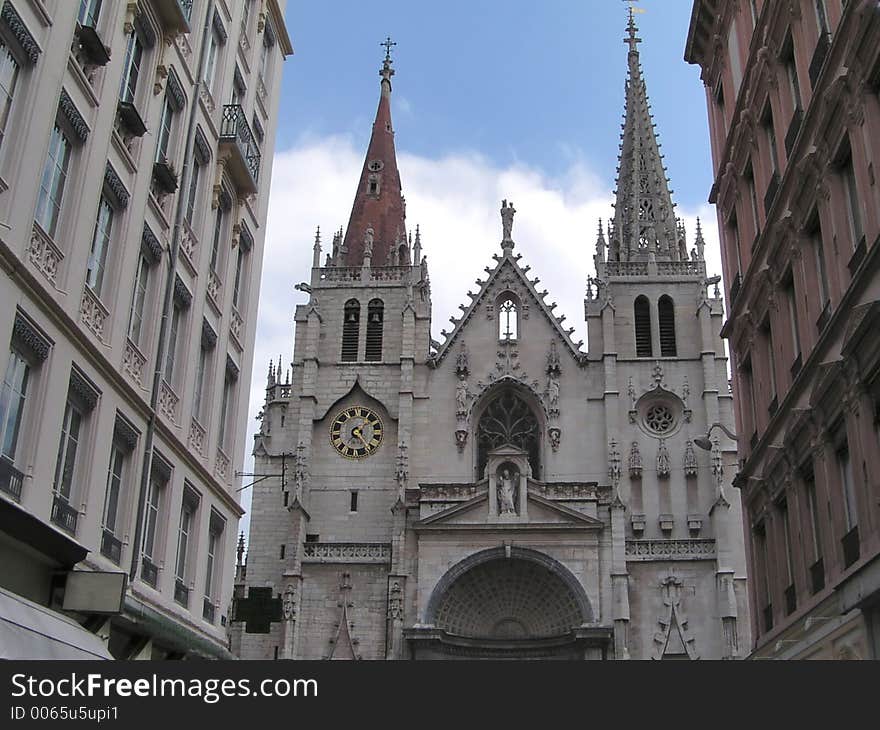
503 493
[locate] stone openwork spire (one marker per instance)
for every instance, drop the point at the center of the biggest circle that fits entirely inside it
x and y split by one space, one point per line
378 204
644 220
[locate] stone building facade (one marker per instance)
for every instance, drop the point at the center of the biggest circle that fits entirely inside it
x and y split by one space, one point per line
135 162
793 90
502 493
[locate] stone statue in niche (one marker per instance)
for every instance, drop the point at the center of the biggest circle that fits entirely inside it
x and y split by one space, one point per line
553 394
461 397
368 242
508 481
662 460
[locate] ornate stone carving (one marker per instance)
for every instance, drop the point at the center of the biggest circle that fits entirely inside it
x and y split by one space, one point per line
73 117
44 254
554 433
221 465
508 488
635 461
565 491
613 463
402 474
168 401
346 552
461 436
133 362
288 603
662 460
93 313
553 365
236 325
19 31
631 391
552 396
197 437
693 549
673 619
689 463
300 469
462 398
395 601
507 213
462 368
214 289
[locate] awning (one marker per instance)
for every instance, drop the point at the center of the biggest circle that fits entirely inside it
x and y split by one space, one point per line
31 631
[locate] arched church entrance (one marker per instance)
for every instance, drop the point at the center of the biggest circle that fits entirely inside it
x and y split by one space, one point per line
506 603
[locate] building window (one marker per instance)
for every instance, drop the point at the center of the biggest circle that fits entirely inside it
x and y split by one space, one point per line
166 123
786 537
815 520
138 299
114 500
666 314
375 315
749 177
733 55
788 58
508 419
193 192
265 66
238 89
762 560
748 383
851 191
185 531
216 242
173 340
508 319
215 41
226 401
767 332
351 326
814 230
65 463
53 181
238 282
153 524
822 17
134 58
100 246
791 297
844 466
215 555
89 10
246 19
199 386
642 319
353 501
9 70
770 131
13 395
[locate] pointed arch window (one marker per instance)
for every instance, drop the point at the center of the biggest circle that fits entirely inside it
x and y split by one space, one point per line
351 326
508 317
666 314
508 419
642 319
375 318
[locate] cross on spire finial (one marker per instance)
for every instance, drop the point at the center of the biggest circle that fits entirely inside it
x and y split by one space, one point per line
632 40
389 44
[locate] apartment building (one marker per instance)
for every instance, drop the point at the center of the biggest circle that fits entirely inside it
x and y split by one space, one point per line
793 92
136 147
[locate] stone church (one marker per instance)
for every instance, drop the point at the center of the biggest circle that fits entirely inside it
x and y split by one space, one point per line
503 493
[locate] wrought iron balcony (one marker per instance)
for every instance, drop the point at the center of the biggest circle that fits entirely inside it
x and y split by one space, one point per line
181 592
208 610
11 479
175 14
63 514
237 139
111 547
149 572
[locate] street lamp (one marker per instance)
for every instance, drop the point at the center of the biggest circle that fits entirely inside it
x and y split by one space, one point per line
705 442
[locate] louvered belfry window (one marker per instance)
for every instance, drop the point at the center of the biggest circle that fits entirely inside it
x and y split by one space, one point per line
351 325
643 327
375 316
666 313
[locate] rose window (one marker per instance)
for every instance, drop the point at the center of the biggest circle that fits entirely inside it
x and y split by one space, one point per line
659 419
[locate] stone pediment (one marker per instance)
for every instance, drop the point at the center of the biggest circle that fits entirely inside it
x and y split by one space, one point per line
509 275
543 514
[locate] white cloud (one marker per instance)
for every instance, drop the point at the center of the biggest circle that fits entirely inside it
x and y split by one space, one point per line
455 200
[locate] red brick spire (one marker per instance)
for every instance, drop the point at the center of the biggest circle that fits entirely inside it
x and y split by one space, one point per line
378 203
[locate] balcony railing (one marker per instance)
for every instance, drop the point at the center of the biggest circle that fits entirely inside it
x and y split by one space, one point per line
149 572
235 133
175 14
817 576
111 547
181 592
11 479
850 543
64 515
208 610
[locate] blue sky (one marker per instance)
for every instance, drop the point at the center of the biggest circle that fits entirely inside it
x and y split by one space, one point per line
518 81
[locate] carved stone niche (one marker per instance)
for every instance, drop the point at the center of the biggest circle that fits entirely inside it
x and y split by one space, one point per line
508 471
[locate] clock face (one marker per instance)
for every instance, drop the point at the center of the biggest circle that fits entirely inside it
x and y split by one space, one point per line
356 432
